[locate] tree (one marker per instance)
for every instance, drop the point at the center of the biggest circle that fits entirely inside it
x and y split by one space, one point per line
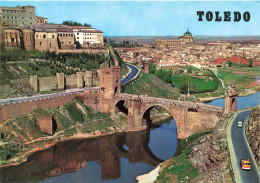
229 63
152 68
251 63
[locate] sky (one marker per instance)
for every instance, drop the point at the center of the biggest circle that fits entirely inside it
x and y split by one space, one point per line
149 18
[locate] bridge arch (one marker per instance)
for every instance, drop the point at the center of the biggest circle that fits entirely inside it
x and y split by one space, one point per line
145 117
121 106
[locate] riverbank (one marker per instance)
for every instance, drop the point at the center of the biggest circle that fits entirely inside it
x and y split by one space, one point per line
243 94
23 156
46 142
202 152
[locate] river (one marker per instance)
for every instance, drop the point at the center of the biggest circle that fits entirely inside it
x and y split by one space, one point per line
113 158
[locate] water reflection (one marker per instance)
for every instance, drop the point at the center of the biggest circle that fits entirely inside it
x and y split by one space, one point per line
242 102
130 154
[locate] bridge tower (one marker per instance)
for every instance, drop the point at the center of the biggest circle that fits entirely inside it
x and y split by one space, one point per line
110 80
231 99
146 67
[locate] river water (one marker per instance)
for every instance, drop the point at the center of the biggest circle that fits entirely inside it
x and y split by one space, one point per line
114 158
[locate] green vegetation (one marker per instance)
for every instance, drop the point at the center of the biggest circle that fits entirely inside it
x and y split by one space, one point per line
123 43
205 82
75 114
180 167
72 23
240 76
42 112
79 60
148 84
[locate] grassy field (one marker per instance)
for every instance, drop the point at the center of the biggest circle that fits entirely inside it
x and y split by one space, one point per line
240 76
179 169
149 84
196 85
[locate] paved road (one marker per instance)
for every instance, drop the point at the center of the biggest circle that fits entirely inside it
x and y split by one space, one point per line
131 75
23 99
242 150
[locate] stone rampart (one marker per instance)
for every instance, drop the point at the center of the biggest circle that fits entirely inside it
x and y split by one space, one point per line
61 81
15 110
47 83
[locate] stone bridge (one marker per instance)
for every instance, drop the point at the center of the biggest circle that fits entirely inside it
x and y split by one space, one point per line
190 117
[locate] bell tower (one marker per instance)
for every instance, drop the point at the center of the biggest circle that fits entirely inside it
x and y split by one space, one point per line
231 99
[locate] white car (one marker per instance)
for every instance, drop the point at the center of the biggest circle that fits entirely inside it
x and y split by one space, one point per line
239 124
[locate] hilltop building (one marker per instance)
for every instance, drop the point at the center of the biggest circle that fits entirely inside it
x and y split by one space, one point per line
17 16
186 39
41 20
19 27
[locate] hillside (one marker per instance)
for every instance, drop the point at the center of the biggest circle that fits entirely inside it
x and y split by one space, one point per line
23 134
149 84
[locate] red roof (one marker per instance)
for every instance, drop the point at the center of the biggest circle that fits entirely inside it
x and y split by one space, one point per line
219 61
234 59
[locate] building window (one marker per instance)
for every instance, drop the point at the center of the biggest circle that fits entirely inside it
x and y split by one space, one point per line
77 37
14 11
77 33
22 17
44 36
63 35
40 43
36 36
7 16
15 17
30 17
62 42
31 23
52 36
69 42
3 16
30 12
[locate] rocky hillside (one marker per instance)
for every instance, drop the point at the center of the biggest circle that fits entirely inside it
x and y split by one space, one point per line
204 158
253 133
25 134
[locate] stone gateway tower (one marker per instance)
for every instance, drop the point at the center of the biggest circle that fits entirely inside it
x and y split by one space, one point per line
231 99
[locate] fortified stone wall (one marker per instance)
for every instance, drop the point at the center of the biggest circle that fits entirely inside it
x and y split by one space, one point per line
47 83
71 81
61 81
18 109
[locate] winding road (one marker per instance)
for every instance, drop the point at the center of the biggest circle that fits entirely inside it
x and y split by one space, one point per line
134 71
241 151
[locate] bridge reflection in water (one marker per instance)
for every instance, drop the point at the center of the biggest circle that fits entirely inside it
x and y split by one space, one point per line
108 152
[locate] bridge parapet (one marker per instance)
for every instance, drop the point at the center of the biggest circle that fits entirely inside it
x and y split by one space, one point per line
198 106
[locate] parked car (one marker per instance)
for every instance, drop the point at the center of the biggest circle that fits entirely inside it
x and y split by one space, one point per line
239 124
245 164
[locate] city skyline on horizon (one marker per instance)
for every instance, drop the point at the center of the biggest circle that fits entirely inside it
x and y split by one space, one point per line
149 18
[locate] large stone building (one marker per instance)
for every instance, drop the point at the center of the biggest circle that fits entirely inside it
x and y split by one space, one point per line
18 37
41 20
46 40
65 38
18 16
19 27
88 36
186 39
